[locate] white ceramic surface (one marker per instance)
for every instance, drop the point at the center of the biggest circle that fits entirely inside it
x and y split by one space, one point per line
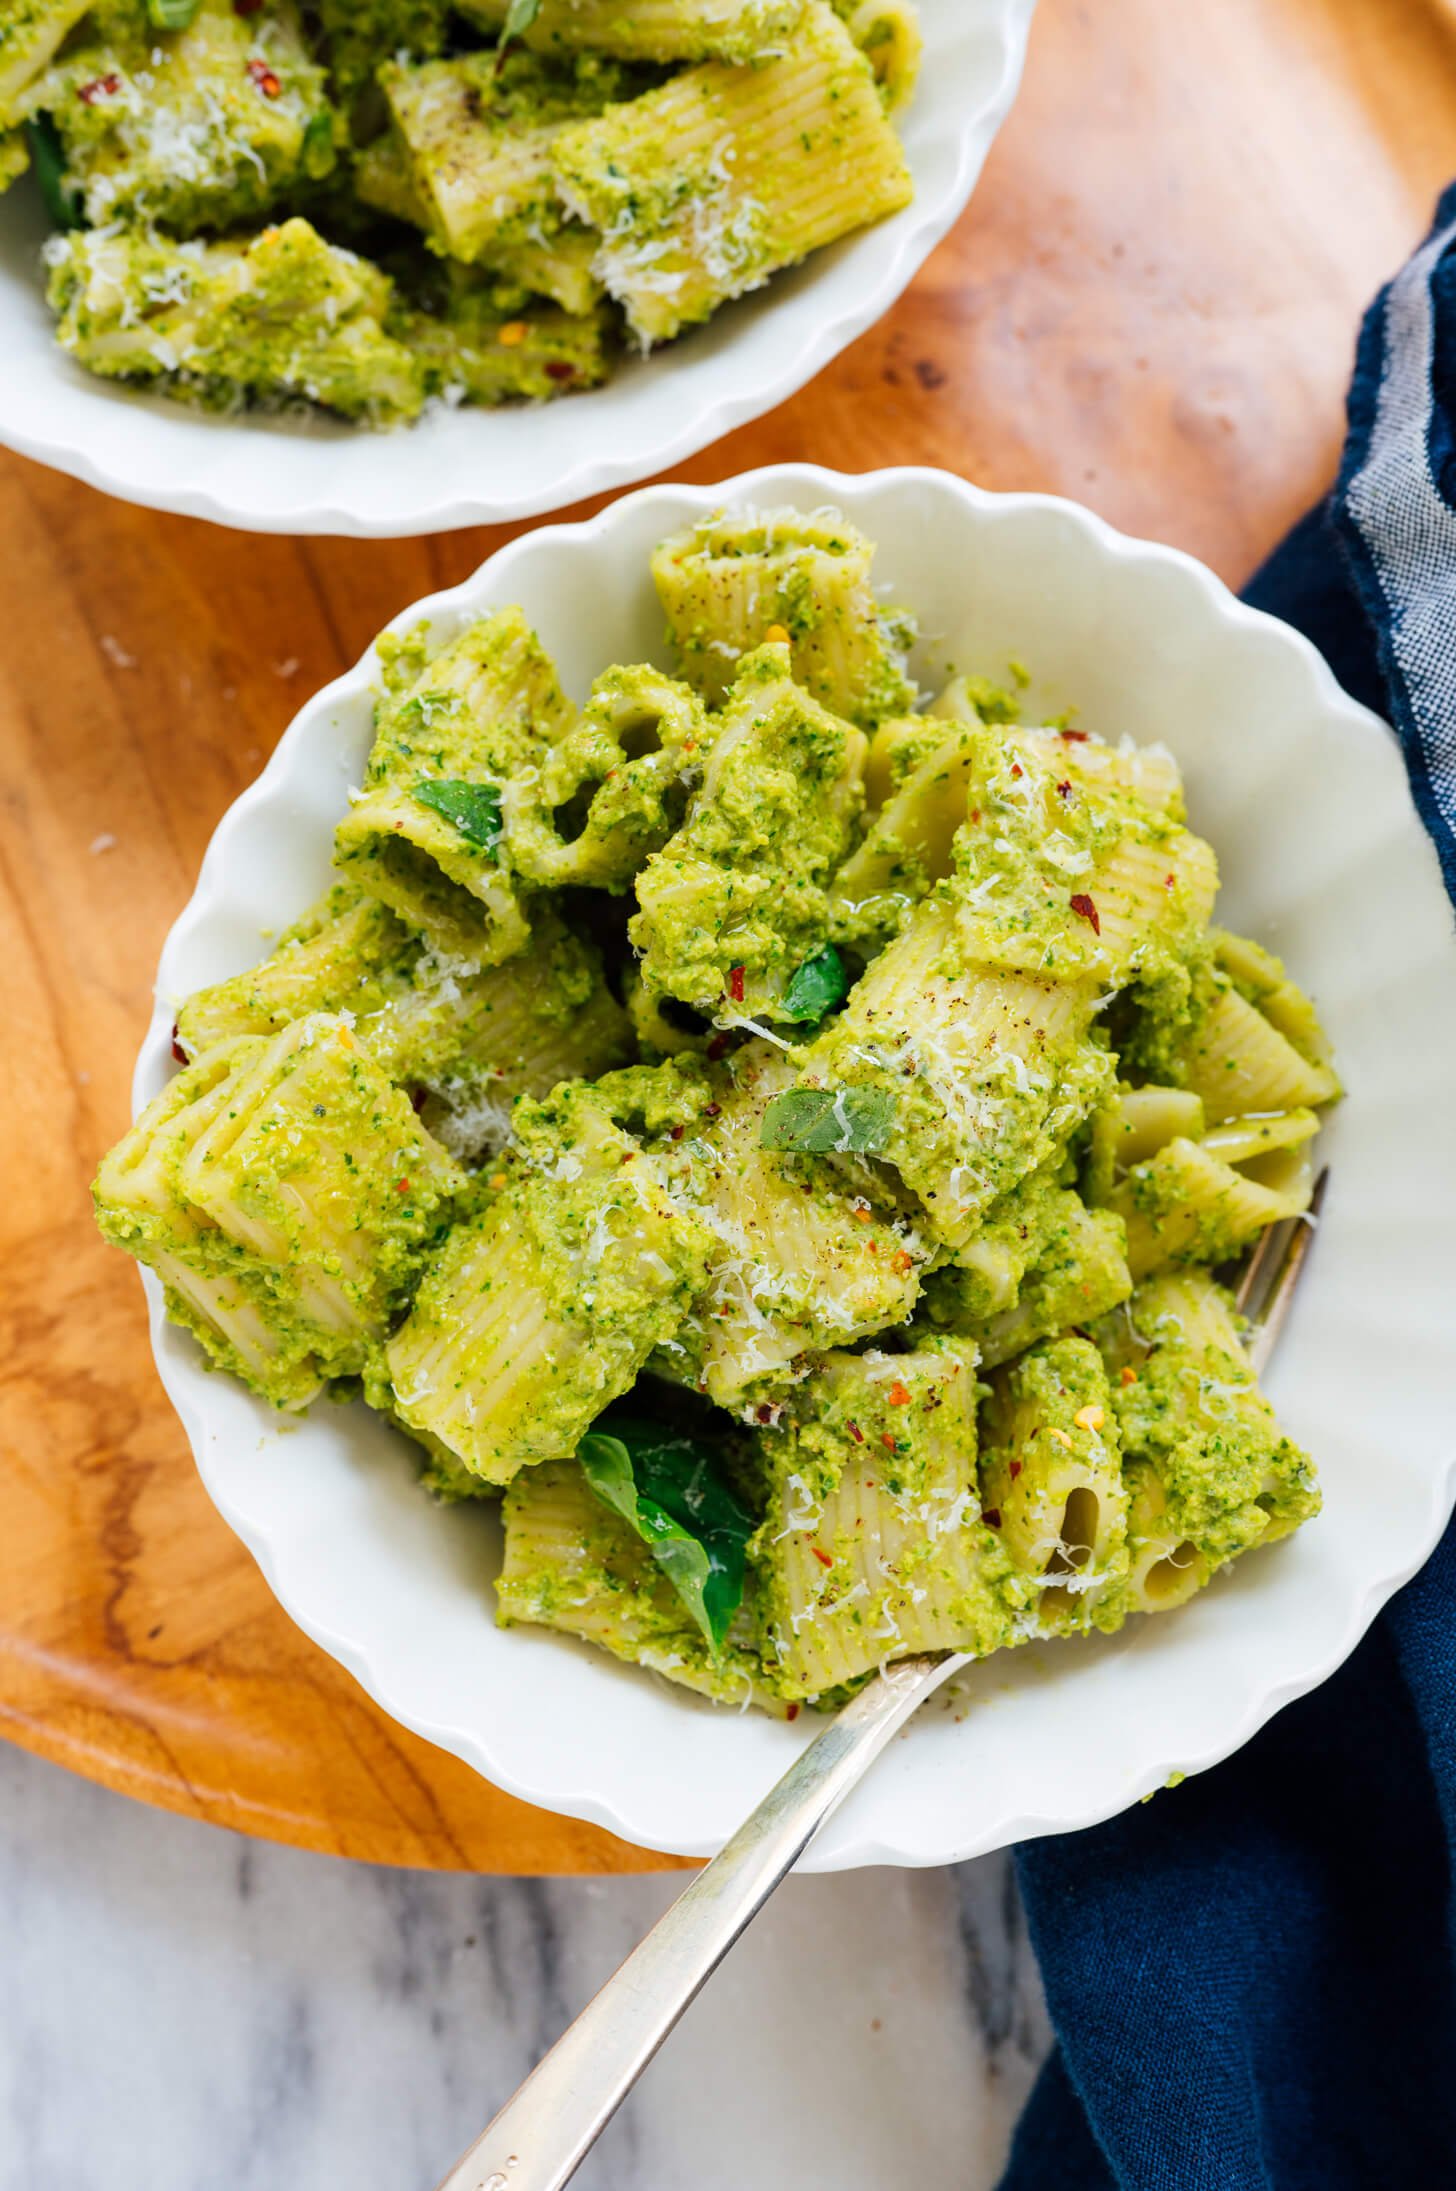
474 467
1304 796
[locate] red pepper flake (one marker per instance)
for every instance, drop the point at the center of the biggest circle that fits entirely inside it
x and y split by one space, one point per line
888 1442
1169 882
1017 769
1085 910
898 1395
902 1260
677 1132
735 983
975 814
822 1557
1074 737
263 76
177 1050
1064 789
246 7
992 1516
712 1110
560 369
1015 1470
855 1432
718 1047
766 1411
792 1712
100 87
401 1186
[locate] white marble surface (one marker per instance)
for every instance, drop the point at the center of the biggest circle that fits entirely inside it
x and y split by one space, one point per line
183 2010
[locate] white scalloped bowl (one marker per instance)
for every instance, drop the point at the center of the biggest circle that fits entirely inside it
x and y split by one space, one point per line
1304 795
478 467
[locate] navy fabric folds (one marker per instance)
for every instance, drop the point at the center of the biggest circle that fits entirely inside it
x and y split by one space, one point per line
1251 1976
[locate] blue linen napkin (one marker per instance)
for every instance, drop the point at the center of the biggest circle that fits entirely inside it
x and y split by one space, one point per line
1253 1978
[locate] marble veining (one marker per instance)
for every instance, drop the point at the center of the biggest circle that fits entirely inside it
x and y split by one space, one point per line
184 2010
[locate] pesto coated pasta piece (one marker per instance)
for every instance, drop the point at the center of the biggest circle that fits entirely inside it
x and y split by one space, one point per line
729 583
542 1307
1202 1201
573 1565
908 846
653 30
614 787
1051 1478
737 900
193 129
706 186
424 833
980 1077
284 316
31 32
1070 875
474 350
296 1184
1210 1473
887 32
361 34
1077 1273
797 1265
338 957
873 1545
478 134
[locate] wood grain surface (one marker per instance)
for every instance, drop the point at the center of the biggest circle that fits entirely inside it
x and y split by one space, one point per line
1150 306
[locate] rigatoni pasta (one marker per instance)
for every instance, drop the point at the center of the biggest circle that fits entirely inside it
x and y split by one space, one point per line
788 1141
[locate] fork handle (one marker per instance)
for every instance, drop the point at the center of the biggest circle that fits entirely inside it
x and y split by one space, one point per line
544 2132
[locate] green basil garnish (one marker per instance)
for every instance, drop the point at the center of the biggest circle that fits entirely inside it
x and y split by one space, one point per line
668 1488
819 985
828 1121
472 809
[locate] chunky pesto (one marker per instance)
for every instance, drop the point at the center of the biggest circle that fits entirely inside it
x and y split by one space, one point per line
789 1149
455 233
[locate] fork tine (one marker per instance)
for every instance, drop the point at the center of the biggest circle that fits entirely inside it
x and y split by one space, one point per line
1257 1270
1284 1283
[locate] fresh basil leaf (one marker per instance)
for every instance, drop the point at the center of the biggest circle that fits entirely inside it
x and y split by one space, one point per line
171 14
668 1489
520 15
828 1121
49 161
820 983
472 809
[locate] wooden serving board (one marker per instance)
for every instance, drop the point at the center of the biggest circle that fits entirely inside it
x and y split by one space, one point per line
1150 306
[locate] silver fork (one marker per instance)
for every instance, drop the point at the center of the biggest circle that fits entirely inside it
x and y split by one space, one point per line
544 2132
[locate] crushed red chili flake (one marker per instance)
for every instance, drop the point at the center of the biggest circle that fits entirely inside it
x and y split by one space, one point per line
1169 881
1015 1470
100 87
1074 737
1064 789
822 1557
712 1110
718 1047
898 1395
678 1132
888 1442
855 1432
975 814
1017 769
177 1050
735 983
560 369
246 7
263 76
992 1515
766 1411
792 1712
401 1186
1085 910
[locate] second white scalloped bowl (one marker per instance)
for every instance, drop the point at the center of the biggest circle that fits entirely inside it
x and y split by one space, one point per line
482 467
1304 796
